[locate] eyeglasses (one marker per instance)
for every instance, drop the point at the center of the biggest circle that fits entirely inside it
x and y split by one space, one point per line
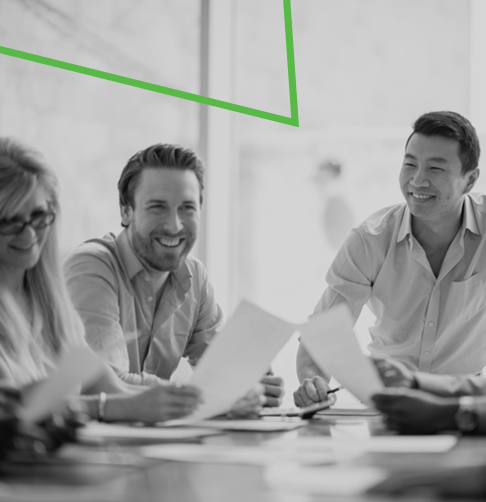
39 220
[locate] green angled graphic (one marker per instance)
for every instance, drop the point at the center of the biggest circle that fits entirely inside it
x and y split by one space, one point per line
293 120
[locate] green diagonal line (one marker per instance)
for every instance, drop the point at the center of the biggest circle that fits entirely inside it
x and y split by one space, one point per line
294 109
292 120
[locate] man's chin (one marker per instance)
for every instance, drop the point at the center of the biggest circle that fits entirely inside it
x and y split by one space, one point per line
169 265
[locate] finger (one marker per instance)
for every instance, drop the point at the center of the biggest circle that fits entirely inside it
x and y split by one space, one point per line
321 387
380 362
183 390
384 368
243 406
298 400
177 402
274 391
272 380
310 390
272 401
305 400
301 399
178 410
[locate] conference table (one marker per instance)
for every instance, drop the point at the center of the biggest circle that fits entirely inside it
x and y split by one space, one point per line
117 471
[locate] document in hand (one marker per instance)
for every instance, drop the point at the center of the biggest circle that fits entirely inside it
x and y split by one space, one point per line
330 340
78 366
237 359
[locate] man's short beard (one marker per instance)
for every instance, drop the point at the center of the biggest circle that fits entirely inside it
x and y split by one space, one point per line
144 249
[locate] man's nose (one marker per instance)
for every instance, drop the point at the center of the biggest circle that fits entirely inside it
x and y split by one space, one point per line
420 179
173 223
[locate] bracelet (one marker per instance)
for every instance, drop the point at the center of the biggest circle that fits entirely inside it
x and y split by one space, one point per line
101 406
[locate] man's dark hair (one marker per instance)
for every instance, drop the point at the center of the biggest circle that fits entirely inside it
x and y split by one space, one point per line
454 126
160 155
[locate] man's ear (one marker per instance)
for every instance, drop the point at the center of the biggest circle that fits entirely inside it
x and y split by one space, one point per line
472 177
126 215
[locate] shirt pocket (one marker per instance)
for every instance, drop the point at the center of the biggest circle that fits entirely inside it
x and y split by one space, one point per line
465 299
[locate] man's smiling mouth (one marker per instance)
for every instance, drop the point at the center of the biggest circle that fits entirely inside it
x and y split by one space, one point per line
421 196
169 243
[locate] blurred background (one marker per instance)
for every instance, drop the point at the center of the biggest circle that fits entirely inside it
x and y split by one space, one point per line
279 199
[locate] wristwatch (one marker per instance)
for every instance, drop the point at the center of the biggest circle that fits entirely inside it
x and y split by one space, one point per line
466 417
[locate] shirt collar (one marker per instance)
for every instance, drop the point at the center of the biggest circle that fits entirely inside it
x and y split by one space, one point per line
405 225
134 266
469 221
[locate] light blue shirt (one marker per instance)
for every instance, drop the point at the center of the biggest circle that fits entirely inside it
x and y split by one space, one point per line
433 324
115 297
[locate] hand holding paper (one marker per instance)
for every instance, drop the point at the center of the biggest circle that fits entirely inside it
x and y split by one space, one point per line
237 358
330 339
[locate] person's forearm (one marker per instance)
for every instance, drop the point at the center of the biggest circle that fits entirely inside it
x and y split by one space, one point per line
306 368
108 382
451 385
115 408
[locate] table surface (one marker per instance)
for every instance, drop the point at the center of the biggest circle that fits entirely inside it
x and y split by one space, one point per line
115 472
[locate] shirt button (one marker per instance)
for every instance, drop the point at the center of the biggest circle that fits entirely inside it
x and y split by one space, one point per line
147 278
431 324
150 298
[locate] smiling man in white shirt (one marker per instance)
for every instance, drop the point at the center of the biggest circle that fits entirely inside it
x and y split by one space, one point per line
419 266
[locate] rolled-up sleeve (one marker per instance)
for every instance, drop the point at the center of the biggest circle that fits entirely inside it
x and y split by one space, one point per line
349 278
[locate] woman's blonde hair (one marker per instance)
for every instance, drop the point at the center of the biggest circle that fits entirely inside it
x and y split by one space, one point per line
22 171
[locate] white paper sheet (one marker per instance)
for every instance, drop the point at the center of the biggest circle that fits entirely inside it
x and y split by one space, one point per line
236 454
237 359
259 425
78 366
330 339
99 431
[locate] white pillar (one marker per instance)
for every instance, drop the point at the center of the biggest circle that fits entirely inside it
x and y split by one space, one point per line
218 237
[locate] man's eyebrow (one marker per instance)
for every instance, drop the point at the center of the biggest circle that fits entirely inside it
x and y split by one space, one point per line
158 201
438 159
150 201
410 156
430 159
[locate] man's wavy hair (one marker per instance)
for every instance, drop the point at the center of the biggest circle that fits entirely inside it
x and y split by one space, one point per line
454 126
162 155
